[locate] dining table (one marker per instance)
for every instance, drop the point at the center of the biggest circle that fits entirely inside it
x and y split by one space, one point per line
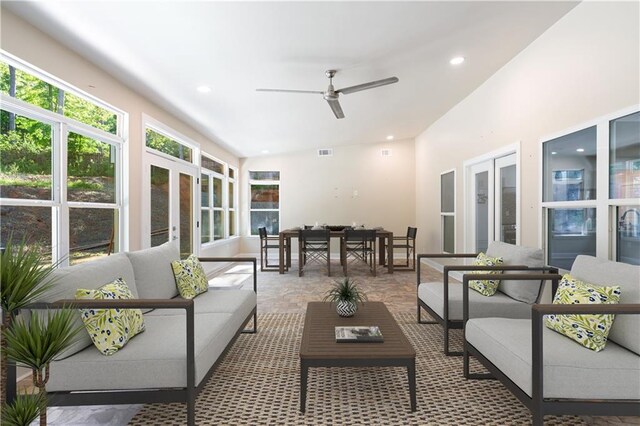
385 241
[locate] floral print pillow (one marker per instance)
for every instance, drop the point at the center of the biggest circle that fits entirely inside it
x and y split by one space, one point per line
110 329
590 331
486 287
191 279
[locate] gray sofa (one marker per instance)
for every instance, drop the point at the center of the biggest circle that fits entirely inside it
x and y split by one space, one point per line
513 298
173 357
550 373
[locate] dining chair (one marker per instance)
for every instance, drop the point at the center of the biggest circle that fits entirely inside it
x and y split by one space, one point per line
269 242
407 243
360 245
314 246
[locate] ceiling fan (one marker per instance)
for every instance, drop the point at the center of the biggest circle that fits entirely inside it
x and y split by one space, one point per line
331 95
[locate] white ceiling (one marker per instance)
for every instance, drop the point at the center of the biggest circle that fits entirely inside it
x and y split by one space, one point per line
165 49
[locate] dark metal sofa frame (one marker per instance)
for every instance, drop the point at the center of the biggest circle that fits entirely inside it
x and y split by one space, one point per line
536 403
188 394
444 321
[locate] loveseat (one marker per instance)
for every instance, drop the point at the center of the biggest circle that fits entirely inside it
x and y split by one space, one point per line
171 360
552 374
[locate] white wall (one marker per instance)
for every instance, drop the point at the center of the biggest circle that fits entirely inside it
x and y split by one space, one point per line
321 189
33 46
583 67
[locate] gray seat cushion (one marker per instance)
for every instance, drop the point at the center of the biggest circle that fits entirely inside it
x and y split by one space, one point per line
522 290
479 306
626 328
570 370
90 275
152 268
218 301
155 358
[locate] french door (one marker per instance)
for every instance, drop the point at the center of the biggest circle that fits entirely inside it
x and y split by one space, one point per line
169 203
492 203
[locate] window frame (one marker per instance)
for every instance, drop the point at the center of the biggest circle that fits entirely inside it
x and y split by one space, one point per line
252 182
225 209
61 126
444 214
232 180
605 231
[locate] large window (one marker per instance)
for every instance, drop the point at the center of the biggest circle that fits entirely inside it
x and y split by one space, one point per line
217 201
264 208
61 185
447 210
578 210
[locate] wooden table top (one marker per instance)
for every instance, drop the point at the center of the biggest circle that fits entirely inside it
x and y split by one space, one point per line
319 340
294 233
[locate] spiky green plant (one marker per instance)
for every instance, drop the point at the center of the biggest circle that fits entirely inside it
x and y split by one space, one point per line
24 278
36 342
346 290
23 410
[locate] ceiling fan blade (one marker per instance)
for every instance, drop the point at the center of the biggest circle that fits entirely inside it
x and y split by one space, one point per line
369 85
290 91
336 108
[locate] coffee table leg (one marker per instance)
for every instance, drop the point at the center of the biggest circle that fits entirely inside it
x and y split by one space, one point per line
304 373
411 373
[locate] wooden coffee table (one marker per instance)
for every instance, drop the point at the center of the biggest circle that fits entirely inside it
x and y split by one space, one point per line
319 347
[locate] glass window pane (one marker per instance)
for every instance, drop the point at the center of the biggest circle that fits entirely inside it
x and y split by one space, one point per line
167 145
92 233
159 206
25 158
268 219
213 165
571 232
448 234
204 191
264 175
231 201
265 196
482 211
186 215
31 224
570 167
232 222
624 157
88 113
205 227
218 225
447 192
232 173
91 169
508 204
217 192
628 235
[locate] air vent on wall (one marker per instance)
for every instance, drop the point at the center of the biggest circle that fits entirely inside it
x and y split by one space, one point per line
386 153
325 152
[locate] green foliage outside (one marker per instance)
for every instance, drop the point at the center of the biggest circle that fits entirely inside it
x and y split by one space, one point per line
167 145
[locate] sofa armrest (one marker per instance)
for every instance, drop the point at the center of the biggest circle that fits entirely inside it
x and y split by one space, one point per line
543 274
438 256
538 311
237 260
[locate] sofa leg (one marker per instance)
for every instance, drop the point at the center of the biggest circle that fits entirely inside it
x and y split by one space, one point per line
191 407
420 321
537 418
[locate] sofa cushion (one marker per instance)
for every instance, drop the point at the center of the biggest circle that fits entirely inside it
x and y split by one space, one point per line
479 306
590 331
152 268
606 273
570 371
110 329
89 275
190 277
485 287
523 290
218 301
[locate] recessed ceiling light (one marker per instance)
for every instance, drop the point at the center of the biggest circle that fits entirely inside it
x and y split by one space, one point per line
203 89
265 151
553 153
457 60
390 137
580 149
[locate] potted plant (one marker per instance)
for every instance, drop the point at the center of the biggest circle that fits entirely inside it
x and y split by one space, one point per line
25 278
346 295
36 342
23 410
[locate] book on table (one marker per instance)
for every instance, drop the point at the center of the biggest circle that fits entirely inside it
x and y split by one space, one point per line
358 333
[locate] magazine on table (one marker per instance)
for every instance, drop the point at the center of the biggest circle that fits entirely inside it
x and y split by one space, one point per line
358 333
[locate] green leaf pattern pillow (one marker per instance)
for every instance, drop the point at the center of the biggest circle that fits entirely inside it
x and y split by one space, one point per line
191 279
110 329
486 287
590 331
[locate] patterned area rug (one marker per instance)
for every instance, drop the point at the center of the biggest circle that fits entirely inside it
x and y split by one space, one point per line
258 384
